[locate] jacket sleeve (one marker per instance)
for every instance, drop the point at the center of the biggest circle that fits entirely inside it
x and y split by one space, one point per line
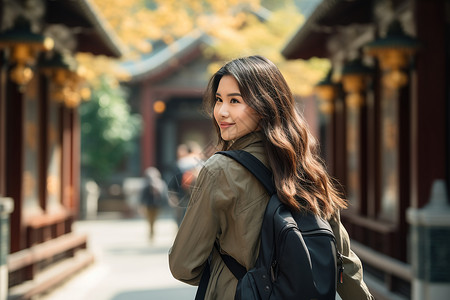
353 286
197 233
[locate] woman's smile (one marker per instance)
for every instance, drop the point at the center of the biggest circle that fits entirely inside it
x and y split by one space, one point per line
225 125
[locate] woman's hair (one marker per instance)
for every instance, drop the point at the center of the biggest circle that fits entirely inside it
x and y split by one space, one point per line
300 177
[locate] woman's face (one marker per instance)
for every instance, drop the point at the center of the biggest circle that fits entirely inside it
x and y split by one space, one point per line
234 117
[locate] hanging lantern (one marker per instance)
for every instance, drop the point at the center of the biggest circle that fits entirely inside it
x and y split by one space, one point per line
57 68
67 83
393 53
355 77
24 46
326 91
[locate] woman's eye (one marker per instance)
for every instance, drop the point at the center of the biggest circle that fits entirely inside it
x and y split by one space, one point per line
218 99
234 101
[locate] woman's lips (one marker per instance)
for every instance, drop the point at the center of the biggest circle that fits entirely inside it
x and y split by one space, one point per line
225 124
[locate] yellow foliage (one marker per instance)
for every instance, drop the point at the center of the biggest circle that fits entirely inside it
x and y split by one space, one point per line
138 22
133 21
267 38
95 65
236 30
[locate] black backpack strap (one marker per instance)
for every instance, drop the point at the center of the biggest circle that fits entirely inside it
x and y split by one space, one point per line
236 268
264 175
255 166
203 285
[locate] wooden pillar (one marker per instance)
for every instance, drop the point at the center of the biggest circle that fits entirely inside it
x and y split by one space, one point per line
327 141
339 141
404 171
43 141
14 163
75 162
66 165
428 111
3 81
373 149
363 156
148 153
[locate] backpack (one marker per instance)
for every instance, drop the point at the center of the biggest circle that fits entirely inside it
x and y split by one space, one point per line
297 259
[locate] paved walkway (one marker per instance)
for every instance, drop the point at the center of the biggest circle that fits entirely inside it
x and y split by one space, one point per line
128 266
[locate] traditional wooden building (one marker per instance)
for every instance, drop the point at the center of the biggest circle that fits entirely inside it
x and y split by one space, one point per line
166 88
39 135
386 131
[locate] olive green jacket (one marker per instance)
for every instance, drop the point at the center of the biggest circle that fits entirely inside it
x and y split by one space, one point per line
227 204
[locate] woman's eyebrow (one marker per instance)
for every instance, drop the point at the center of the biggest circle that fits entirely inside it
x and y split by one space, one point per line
231 94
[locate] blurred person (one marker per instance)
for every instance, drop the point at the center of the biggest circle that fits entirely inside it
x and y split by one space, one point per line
254 110
92 194
154 196
187 166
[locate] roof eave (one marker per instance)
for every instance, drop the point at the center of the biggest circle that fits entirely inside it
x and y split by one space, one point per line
161 60
289 51
106 33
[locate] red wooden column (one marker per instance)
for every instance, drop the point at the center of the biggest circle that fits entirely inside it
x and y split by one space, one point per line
339 142
14 163
66 164
43 136
75 162
3 80
373 162
428 102
149 127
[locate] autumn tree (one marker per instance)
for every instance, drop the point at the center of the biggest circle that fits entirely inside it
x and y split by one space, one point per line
265 32
239 27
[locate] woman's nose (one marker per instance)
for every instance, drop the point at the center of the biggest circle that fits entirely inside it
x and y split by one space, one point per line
223 111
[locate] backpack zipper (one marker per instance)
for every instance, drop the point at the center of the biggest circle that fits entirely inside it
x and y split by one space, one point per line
341 266
273 271
281 236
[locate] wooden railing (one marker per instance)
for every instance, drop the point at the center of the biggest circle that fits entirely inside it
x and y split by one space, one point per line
53 254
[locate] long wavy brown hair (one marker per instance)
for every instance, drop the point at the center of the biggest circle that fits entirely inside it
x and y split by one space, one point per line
300 177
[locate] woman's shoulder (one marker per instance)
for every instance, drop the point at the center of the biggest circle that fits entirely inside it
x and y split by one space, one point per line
217 162
221 166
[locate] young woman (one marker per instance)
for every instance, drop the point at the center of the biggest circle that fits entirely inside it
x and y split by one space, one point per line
254 110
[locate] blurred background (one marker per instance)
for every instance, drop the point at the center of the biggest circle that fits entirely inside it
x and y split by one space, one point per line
96 93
